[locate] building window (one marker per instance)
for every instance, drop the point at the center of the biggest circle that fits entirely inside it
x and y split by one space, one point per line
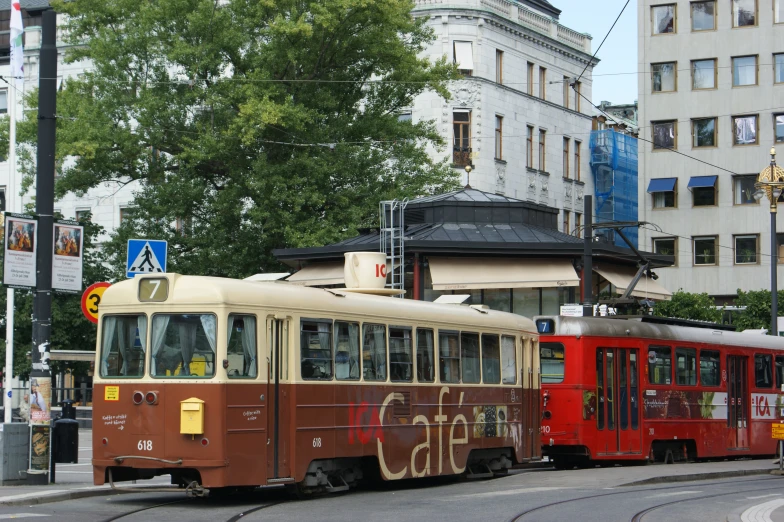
744 71
666 247
778 67
530 78
566 228
2 199
705 250
663 19
664 135
746 249
499 137
461 148
577 160
778 11
744 13
577 96
3 102
542 137
703 16
704 196
499 66
184 226
464 57
703 74
664 192
744 130
664 199
780 243
83 214
778 124
404 117
743 189
542 83
663 76
703 132
125 213
578 223
566 91
529 148
566 158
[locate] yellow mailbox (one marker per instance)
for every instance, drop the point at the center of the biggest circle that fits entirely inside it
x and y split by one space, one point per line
192 416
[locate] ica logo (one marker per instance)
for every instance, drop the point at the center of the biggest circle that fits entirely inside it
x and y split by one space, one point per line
761 406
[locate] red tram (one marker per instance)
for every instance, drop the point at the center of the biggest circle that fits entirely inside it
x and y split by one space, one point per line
630 390
225 383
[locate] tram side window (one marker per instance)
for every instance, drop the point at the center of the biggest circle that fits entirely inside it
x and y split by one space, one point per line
183 345
491 359
552 356
779 371
374 352
400 362
469 357
763 370
241 347
316 350
424 363
508 359
710 368
123 346
449 356
659 365
346 351
686 366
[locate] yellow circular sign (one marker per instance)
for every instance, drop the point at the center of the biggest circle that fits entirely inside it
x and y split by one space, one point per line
91 298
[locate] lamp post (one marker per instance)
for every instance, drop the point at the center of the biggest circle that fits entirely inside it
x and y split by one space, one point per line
770 183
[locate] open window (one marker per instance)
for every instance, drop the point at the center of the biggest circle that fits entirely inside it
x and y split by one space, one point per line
663 192
464 57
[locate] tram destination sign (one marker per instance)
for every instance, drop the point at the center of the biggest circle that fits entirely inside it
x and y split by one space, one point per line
778 431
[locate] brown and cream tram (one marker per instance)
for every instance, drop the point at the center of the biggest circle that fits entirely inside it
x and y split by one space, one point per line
628 390
228 383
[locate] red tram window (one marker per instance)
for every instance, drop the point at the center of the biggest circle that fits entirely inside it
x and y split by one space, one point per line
686 366
763 371
599 389
710 368
552 360
660 365
779 371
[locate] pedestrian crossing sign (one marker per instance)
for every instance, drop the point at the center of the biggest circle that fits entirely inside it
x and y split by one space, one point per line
146 256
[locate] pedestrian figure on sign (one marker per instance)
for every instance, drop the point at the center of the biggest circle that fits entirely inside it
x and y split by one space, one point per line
146 259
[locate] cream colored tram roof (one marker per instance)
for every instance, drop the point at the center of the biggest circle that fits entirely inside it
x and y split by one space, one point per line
604 327
191 291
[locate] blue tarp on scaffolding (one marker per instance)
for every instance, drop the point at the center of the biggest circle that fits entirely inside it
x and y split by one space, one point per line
614 168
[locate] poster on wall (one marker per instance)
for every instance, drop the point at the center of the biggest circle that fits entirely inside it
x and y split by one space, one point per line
21 238
39 448
67 260
40 400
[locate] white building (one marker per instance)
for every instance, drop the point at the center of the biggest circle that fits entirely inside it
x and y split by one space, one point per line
712 89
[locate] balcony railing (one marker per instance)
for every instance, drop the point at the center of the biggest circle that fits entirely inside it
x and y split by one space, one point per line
461 156
520 15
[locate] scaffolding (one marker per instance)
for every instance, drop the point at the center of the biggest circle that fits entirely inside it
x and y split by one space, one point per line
392 241
614 168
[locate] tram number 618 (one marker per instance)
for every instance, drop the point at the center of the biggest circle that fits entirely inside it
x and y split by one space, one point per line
144 445
317 442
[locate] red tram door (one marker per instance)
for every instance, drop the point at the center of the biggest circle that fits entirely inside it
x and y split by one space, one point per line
278 412
618 401
737 402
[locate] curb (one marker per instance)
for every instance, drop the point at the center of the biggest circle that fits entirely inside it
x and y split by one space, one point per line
35 499
697 476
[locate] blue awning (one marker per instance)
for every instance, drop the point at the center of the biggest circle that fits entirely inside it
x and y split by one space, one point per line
662 185
702 181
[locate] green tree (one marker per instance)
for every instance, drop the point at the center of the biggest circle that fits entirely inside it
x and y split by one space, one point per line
250 124
686 305
757 305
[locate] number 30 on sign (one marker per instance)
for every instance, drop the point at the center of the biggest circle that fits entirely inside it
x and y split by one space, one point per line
91 298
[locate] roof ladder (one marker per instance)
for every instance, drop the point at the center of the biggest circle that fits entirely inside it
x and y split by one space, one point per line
392 241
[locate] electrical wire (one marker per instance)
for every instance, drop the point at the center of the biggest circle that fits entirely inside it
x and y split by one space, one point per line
603 40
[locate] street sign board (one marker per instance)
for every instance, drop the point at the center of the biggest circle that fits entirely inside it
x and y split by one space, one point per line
91 298
146 256
778 431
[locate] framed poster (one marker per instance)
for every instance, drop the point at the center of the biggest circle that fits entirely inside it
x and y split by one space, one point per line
21 243
67 256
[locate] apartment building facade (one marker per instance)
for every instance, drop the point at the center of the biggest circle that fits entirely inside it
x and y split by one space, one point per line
515 117
711 105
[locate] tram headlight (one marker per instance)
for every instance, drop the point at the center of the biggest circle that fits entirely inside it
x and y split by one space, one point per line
151 398
138 397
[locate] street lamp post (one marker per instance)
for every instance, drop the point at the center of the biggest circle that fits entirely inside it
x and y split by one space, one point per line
770 183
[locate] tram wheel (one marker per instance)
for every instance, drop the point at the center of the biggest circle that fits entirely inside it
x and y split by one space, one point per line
564 463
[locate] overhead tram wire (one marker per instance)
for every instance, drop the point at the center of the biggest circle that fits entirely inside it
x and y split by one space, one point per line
603 40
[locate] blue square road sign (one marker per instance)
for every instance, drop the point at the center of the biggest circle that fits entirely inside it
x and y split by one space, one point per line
146 256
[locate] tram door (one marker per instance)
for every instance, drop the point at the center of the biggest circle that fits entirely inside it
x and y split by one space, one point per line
618 401
737 403
531 385
278 393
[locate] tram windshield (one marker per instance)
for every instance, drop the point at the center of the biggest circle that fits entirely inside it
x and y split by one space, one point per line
183 345
552 357
123 345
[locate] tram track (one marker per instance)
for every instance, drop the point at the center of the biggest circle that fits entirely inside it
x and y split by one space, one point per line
638 516
147 508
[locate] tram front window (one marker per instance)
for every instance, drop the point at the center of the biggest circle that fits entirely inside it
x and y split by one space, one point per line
552 360
183 345
123 346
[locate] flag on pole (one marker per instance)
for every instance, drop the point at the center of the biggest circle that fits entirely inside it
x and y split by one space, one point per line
17 50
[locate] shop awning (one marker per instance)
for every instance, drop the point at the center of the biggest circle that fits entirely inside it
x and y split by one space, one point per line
318 275
620 277
453 273
702 181
662 185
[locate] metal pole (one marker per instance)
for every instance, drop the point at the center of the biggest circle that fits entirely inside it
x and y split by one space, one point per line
774 263
42 300
781 456
588 257
9 299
